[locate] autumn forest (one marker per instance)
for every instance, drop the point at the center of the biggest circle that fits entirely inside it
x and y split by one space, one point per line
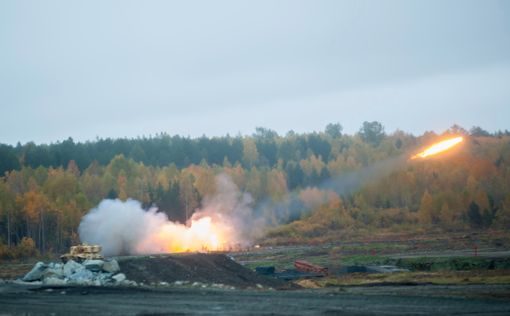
45 189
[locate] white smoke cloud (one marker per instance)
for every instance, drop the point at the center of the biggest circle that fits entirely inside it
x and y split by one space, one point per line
224 221
119 226
231 204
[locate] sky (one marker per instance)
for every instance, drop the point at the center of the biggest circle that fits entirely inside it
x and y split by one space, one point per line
88 69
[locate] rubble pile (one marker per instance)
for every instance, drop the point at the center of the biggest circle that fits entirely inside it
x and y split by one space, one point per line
89 272
194 270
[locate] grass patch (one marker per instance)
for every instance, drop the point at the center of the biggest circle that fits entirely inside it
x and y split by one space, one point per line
452 263
14 270
285 260
438 278
360 260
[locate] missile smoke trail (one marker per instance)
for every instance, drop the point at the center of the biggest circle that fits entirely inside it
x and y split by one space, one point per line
225 220
344 184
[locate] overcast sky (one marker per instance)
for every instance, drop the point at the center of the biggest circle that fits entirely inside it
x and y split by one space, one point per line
90 69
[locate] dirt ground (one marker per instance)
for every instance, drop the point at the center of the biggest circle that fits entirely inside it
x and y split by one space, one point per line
439 292
393 300
203 268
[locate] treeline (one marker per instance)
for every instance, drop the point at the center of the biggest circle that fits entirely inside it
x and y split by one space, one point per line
264 148
46 189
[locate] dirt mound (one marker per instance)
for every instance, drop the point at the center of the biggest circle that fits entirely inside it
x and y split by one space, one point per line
204 268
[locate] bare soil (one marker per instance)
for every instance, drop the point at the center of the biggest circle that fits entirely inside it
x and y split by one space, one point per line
383 300
203 268
439 292
9 270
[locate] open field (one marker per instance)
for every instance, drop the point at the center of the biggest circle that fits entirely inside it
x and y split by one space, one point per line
456 251
395 300
441 280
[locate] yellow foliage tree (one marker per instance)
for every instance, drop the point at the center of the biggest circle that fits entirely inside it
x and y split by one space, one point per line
250 152
426 211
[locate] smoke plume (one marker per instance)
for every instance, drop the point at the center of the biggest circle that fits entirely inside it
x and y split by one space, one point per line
120 227
225 220
292 207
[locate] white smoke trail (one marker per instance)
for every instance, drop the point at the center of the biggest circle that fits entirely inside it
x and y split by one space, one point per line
126 228
292 207
225 219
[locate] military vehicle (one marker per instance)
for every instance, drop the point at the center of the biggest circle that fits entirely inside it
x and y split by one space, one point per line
82 252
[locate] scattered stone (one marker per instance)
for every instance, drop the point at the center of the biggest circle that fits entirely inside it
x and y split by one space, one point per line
36 273
111 266
54 281
71 267
82 277
89 273
129 283
21 282
119 277
56 266
53 273
93 265
105 277
107 273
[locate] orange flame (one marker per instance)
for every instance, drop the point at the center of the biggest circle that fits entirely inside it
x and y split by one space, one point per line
202 235
438 147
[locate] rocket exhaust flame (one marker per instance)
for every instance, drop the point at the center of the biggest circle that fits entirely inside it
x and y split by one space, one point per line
224 222
439 147
203 234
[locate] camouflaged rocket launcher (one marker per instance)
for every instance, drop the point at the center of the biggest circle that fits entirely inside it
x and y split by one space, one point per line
83 252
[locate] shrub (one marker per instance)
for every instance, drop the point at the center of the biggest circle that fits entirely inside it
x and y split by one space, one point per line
26 249
6 252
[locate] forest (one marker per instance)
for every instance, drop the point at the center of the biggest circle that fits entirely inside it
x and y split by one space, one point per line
45 189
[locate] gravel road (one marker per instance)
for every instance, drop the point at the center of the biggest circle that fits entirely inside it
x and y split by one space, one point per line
395 300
